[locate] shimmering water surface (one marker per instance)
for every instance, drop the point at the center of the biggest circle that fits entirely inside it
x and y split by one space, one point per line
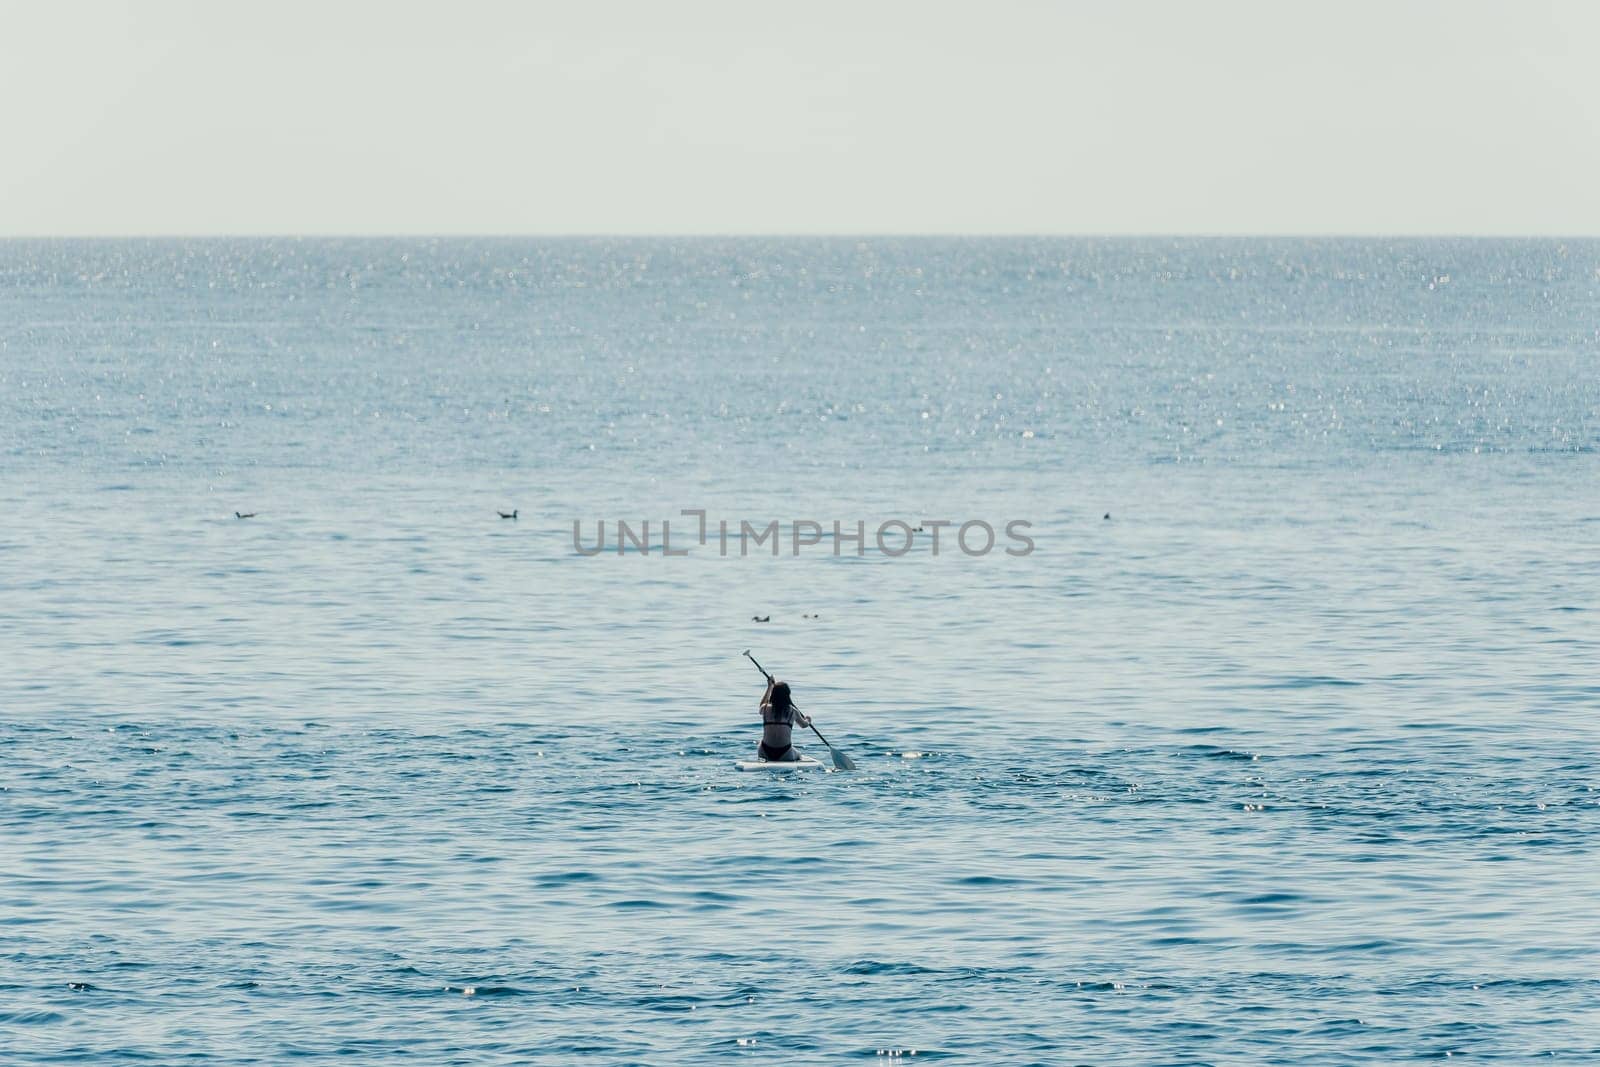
1291 759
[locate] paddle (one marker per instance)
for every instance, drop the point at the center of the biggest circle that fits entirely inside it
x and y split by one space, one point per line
840 760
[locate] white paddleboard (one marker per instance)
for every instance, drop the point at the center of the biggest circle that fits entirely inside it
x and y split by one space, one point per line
804 763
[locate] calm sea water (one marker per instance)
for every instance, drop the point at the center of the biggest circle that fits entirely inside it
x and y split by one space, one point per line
1291 760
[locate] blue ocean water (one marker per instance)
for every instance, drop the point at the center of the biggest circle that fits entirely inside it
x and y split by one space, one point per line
1280 747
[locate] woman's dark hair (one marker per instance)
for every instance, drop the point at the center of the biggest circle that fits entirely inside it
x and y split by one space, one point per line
780 697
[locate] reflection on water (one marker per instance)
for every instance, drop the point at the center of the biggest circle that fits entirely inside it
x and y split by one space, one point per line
1288 759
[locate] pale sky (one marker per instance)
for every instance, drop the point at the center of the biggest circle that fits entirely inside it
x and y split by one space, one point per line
686 116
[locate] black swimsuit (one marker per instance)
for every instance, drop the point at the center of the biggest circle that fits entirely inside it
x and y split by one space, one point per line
788 755
784 718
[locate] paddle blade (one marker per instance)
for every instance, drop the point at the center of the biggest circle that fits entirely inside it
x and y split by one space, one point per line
841 761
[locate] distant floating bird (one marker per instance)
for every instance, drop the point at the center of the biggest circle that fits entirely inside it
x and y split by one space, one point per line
811 616
761 618
1107 515
507 514
244 515
917 530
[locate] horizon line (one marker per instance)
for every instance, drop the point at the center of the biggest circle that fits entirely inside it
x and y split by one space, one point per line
1306 235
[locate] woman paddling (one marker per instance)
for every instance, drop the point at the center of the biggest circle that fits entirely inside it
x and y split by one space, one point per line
778 716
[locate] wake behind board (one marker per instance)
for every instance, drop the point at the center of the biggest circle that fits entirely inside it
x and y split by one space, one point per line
804 763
